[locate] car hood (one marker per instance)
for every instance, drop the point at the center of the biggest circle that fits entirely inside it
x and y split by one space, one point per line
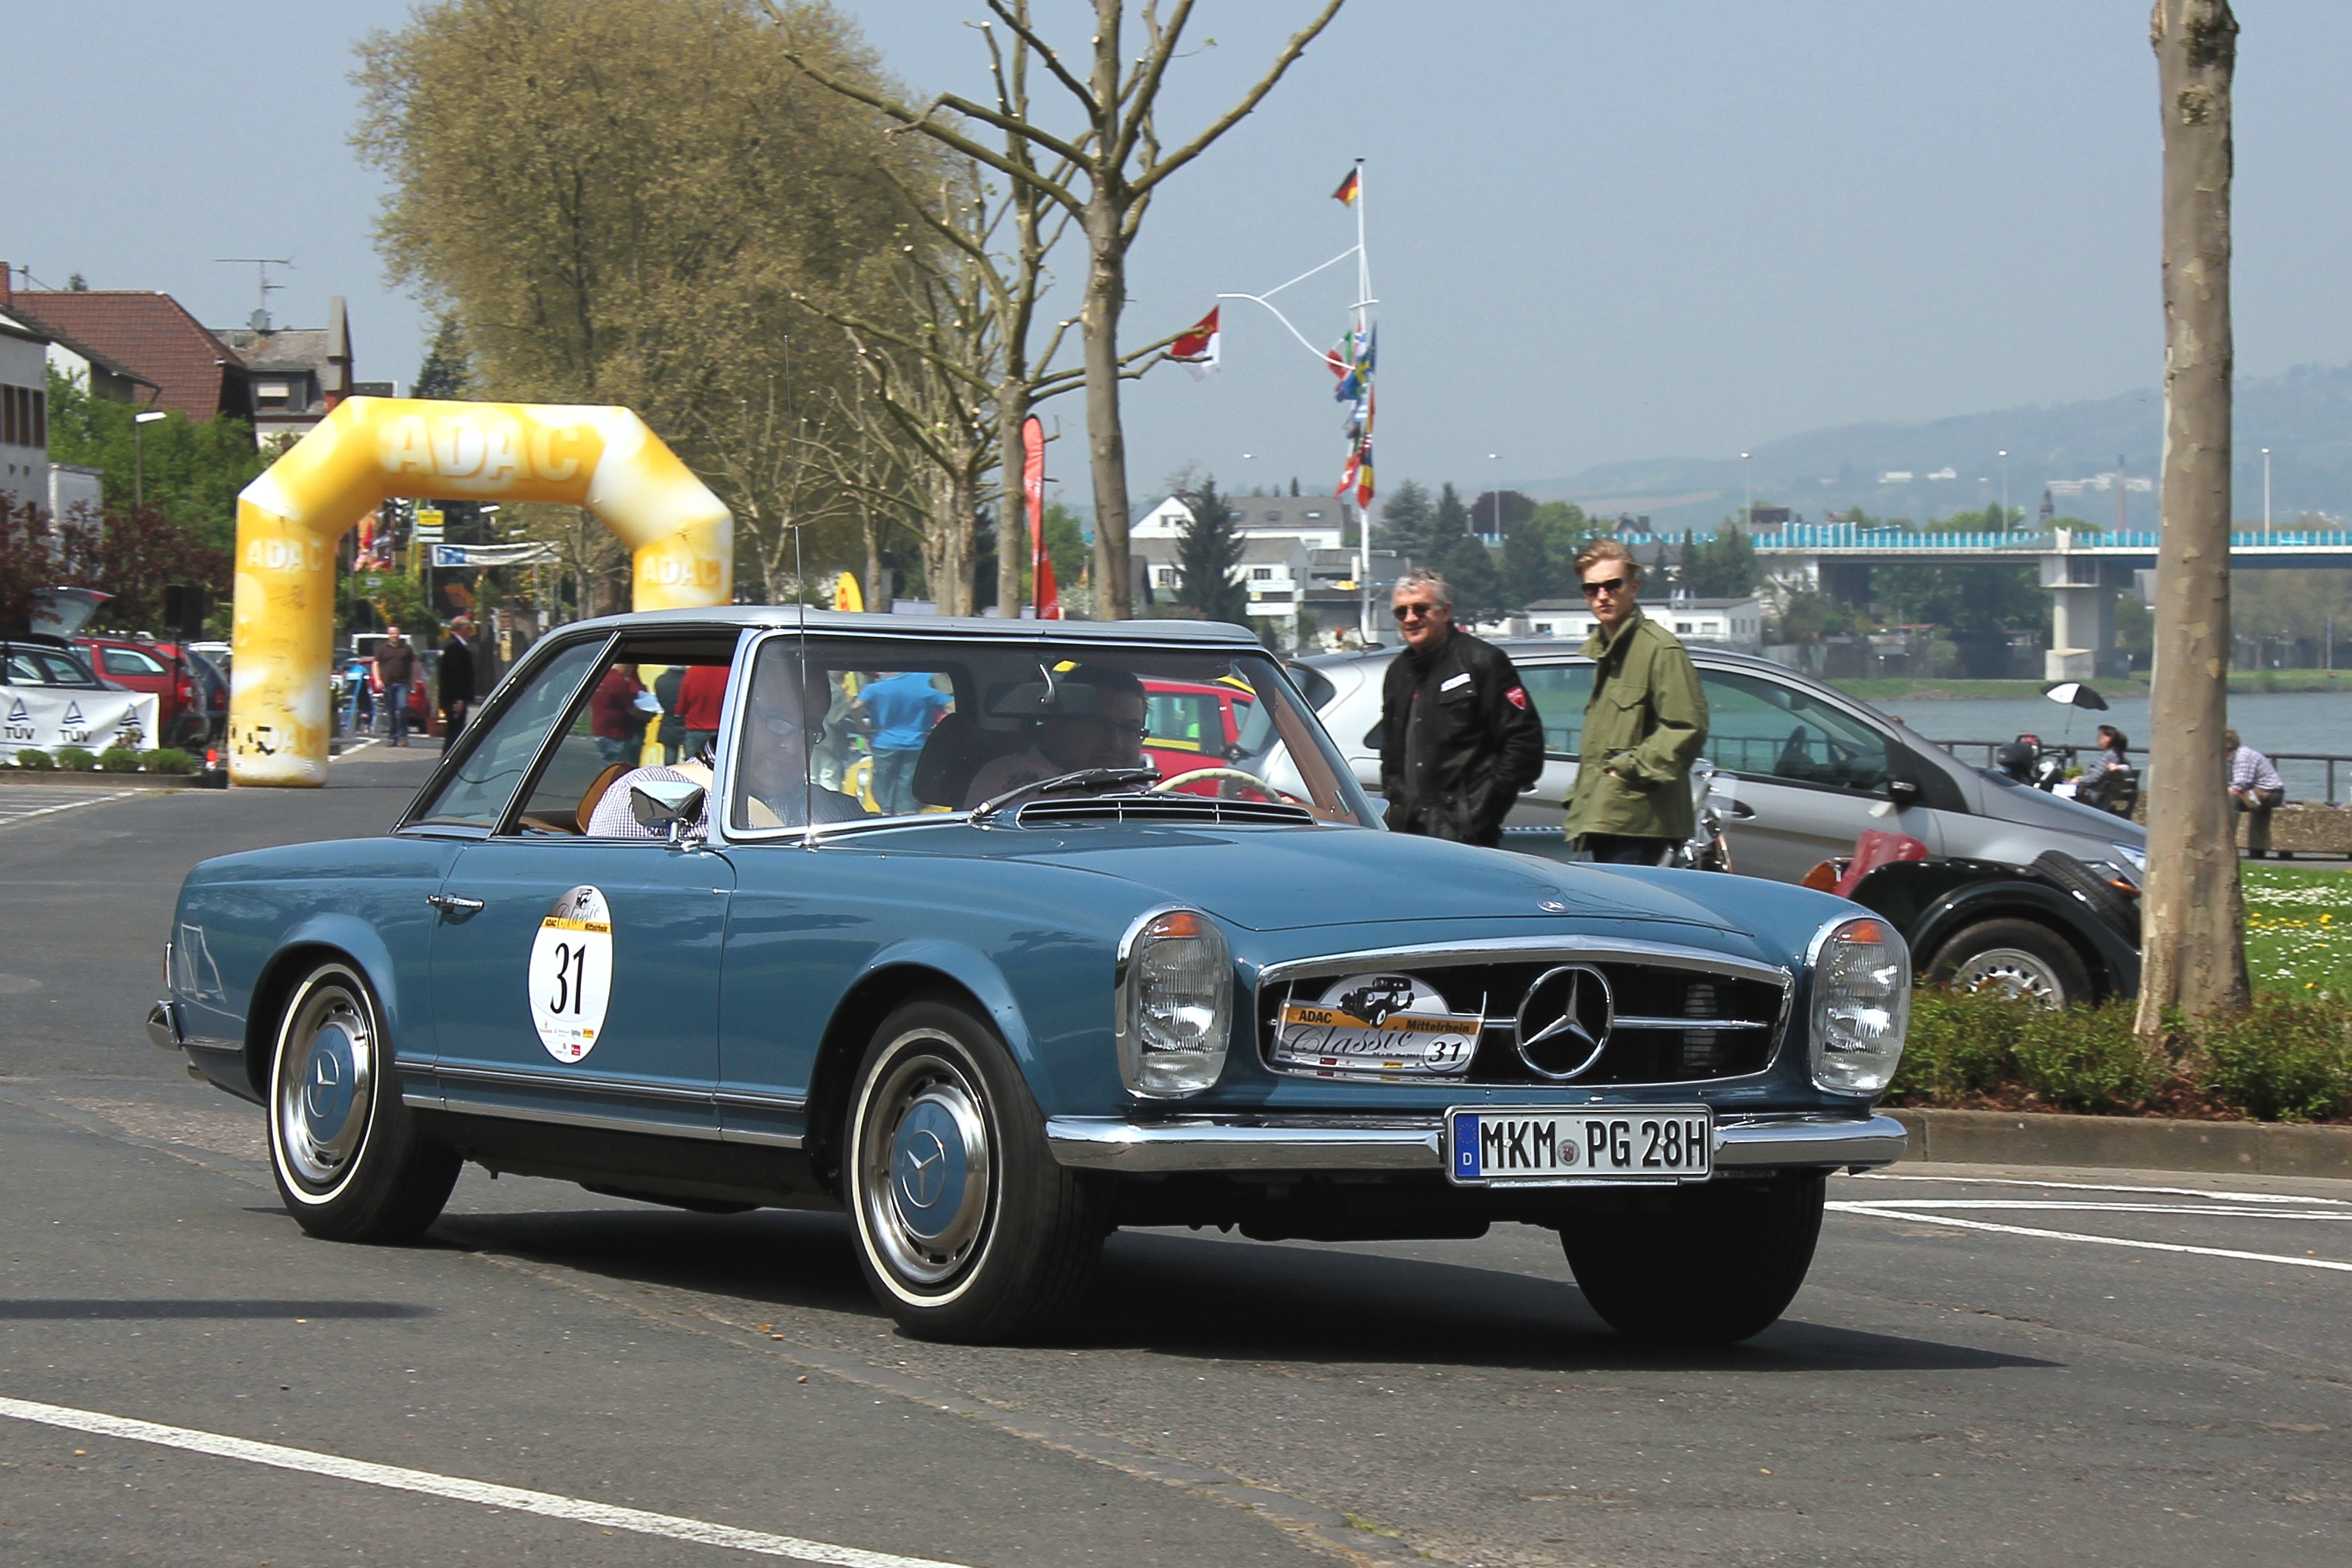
1280 878
2019 803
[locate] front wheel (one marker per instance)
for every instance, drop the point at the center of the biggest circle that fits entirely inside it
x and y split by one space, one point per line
1720 1265
2018 958
346 1155
968 1230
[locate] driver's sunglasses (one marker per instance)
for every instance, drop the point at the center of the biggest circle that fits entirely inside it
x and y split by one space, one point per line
1612 586
1414 612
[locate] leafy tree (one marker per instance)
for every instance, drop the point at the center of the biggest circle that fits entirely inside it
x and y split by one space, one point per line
1404 522
1539 553
1724 566
133 553
1807 617
1208 549
1501 511
1478 591
192 472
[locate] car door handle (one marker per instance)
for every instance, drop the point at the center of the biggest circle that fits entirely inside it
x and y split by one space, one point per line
449 903
1734 809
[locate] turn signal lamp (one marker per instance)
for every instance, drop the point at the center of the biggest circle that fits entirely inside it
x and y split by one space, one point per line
1174 1004
1862 1005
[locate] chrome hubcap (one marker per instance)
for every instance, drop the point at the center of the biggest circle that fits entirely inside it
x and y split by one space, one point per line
925 1173
2013 972
325 1087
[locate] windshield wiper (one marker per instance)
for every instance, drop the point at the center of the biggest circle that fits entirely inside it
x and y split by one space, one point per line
1084 778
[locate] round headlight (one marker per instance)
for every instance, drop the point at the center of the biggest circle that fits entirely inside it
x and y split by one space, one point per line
1174 1004
1862 1004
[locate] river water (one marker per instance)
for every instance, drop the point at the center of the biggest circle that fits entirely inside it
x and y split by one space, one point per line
2270 722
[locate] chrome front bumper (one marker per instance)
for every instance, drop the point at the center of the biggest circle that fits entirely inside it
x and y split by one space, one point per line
1417 1142
163 1025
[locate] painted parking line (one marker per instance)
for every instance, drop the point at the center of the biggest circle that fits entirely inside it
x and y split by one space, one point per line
548 1505
24 805
2340 1216
2105 1187
1915 1217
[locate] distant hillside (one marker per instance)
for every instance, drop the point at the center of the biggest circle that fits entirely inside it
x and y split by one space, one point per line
2303 416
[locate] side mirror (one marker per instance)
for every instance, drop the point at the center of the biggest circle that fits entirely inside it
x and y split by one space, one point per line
1902 791
673 807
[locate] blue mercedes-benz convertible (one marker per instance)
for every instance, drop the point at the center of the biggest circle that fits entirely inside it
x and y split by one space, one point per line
1000 935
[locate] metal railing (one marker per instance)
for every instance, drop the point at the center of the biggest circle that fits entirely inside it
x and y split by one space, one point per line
2309 775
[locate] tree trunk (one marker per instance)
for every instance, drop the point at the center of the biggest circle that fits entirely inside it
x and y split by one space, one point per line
878 592
2193 929
1012 502
1105 442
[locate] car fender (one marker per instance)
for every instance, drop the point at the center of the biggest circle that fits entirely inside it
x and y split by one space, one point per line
360 942
980 974
1971 902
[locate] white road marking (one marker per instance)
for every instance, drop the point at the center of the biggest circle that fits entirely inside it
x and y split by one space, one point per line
2102 1187
10 814
1896 1205
1911 1217
550 1505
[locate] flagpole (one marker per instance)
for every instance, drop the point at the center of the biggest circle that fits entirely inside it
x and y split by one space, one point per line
1363 512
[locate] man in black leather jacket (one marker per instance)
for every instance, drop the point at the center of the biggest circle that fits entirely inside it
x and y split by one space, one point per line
1459 735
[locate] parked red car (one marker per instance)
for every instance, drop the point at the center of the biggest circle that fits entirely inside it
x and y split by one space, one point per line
1191 725
180 709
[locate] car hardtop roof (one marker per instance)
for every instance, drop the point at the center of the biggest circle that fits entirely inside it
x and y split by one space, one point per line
38 640
840 622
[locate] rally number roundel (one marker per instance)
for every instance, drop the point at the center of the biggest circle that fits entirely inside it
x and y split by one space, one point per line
572 974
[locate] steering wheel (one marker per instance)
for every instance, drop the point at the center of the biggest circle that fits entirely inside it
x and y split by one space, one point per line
1170 786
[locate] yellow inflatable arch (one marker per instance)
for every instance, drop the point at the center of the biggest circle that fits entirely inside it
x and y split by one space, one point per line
373 449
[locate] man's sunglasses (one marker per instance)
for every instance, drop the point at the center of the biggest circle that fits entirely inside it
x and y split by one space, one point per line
1609 585
1414 612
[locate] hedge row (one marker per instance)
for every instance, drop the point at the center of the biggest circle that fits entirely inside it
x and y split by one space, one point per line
113 759
2283 1061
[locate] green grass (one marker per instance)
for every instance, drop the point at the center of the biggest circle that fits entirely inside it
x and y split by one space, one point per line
2299 931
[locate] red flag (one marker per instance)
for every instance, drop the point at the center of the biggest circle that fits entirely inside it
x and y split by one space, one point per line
1045 595
1196 351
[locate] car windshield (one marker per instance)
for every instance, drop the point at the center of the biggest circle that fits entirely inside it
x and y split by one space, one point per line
872 729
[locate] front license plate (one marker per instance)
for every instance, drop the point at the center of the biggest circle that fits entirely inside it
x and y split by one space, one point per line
1670 1144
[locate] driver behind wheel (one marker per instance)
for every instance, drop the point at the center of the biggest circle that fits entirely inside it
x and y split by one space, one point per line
1094 720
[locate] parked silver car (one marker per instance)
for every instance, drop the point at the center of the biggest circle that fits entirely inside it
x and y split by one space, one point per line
1801 770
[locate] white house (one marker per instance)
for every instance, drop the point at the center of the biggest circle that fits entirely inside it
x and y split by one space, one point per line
1726 622
1318 521
24 417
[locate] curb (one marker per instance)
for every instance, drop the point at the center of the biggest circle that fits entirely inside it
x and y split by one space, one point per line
44 776
2131 1143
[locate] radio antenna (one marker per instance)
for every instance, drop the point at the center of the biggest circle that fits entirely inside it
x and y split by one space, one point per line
800 702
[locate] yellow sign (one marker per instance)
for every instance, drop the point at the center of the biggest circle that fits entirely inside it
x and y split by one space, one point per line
372 449
845 594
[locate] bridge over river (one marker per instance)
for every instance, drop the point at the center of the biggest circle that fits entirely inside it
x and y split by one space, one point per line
2083 570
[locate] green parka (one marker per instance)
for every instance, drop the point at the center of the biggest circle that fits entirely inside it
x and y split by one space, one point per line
1644 724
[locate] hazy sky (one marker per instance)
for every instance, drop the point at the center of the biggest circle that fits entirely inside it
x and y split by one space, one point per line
1599 230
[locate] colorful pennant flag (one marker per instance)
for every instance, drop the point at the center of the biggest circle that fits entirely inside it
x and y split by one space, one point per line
1046 594
1197 350
1350 188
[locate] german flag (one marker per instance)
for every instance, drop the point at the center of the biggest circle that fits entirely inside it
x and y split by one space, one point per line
1350 188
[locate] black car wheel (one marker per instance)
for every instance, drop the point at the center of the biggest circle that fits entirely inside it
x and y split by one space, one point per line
967 1229
346 1155
1722 1264
2021 959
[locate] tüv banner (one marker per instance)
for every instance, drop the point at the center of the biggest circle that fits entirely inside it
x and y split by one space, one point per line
48 717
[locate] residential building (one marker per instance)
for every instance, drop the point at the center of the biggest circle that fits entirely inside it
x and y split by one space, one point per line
1722 622
24 417
299 373
145 338
1319 521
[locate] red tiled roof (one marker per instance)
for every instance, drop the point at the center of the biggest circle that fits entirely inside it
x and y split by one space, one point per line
154 336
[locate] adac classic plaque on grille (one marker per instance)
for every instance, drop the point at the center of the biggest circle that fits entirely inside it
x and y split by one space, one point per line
1376 1026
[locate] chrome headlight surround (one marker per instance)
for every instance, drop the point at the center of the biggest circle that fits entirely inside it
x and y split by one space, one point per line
1173 1002
1861 971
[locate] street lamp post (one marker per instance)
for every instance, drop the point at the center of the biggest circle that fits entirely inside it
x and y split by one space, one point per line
1494 493
2266 493
1747 495
2004 488
139 455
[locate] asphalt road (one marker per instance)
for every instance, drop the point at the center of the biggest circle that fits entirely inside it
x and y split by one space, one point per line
1988 1367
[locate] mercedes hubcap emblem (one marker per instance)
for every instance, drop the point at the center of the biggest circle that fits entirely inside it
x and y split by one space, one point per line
926 1172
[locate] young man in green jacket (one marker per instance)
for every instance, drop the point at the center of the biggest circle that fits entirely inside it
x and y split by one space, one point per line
1643 724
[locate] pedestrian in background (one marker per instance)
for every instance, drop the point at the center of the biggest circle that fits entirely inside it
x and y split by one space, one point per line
670 734
1645 724
1460 737
900 710
396 666
700 696
455 678
2255 788
614 717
